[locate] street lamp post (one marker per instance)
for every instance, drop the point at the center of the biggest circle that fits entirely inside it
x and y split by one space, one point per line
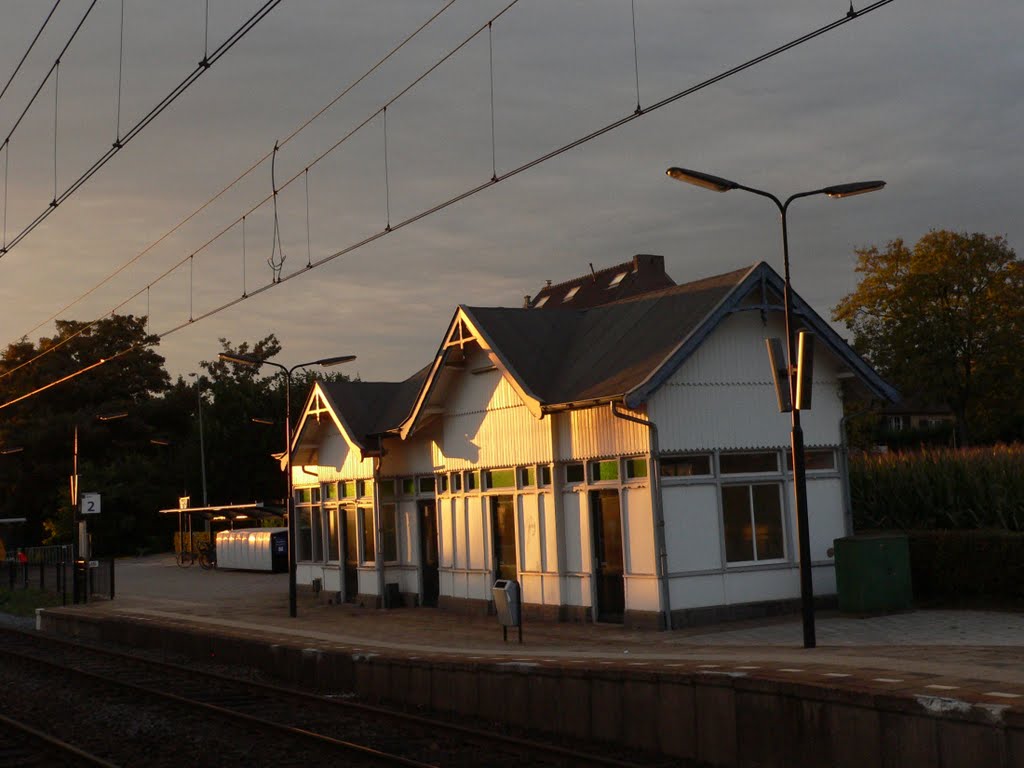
718 184
255 362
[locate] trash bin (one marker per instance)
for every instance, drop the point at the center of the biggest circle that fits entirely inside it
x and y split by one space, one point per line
873 573
80 581
508 606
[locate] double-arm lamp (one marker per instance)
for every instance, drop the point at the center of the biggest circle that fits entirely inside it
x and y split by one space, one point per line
252 361
718 184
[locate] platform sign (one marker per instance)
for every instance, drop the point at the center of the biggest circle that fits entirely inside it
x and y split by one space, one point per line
90 503
183 502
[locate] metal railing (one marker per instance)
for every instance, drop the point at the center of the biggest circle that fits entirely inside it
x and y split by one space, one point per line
95 578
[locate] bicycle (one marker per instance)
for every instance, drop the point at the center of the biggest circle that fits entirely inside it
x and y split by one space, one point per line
207 556
186 558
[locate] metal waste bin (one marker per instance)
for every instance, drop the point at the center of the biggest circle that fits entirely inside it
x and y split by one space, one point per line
873 573
508 605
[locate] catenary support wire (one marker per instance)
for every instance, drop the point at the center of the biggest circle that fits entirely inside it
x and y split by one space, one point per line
120 71
636 55
494 150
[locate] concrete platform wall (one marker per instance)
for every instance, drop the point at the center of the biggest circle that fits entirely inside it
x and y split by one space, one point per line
715 719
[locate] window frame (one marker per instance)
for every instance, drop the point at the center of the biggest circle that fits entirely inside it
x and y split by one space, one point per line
782 528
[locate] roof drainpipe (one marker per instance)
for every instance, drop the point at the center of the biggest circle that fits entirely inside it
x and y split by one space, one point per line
661 561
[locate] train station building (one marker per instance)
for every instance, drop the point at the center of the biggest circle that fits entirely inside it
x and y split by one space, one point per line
615 445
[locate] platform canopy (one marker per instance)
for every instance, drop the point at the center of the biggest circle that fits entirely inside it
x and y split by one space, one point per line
232 512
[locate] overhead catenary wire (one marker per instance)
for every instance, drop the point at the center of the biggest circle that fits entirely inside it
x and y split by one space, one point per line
461 196
46 77
31 45
315 116
149 117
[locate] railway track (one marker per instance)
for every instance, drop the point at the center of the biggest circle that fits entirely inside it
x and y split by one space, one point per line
299 728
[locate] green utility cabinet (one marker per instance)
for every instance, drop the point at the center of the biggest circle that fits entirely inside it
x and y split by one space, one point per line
873 573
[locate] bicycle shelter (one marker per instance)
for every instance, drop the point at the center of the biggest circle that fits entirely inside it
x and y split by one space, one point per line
231 513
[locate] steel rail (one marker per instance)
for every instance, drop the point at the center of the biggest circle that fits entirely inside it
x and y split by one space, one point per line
52 741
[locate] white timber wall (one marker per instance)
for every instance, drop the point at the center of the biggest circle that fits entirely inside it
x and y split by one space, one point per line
486 424
723 399
723 395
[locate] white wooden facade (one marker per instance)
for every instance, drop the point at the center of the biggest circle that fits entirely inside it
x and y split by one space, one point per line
705 528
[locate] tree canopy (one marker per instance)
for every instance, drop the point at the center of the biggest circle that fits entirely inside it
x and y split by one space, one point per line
144 460
944 321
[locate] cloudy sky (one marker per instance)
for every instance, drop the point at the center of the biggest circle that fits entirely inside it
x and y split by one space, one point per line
924 95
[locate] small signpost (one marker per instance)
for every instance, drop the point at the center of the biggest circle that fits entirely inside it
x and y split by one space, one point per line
90 504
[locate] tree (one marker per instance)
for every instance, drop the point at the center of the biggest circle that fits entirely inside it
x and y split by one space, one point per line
944 320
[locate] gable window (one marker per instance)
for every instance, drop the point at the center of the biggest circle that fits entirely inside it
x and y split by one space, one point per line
746 463
695 465
348 489
571 293
752 521
408 486
456 482
330 491
545 475
426 484
442 483
604 471
472 481
528 477
364 488
387 489
574 473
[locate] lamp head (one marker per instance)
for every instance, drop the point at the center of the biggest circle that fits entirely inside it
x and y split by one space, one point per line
329 361
699 179
856 188
239 358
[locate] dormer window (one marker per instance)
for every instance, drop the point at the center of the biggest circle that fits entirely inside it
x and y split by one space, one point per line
541 302
572 292
617 279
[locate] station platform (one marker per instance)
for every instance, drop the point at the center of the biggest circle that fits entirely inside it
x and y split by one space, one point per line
926 686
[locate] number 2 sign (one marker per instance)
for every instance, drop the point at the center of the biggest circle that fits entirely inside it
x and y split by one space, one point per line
90 503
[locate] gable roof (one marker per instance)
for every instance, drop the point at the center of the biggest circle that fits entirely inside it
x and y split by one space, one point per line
363 410
624 350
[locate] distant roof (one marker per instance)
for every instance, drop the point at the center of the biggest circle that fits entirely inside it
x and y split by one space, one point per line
645 272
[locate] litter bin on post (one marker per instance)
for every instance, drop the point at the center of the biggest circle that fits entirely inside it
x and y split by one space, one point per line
873 573
508 605
80 581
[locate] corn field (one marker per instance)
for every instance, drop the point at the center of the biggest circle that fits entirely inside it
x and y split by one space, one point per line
934 488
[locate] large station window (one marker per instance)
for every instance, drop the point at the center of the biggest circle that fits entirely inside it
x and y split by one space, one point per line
366 524
309 539
389 532
752 520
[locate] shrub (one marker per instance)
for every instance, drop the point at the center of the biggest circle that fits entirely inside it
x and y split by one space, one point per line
967 565
939 488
